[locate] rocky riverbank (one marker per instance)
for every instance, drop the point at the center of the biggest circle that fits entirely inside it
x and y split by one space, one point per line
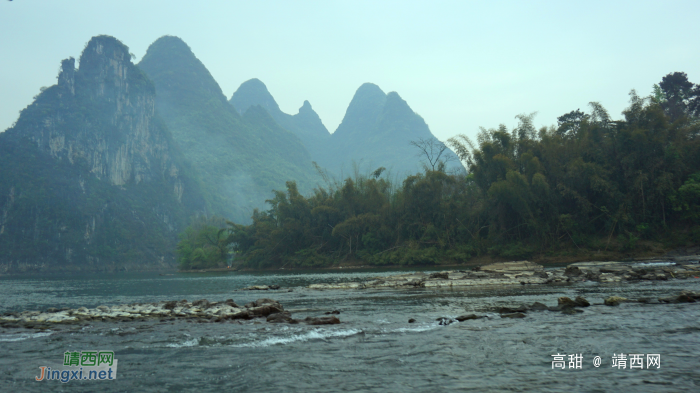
566 305
528 273
198 311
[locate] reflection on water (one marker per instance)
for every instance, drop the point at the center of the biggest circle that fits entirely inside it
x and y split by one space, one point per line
374 349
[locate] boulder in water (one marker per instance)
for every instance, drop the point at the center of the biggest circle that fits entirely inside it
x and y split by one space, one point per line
168 305
202 304
565 302
615 300
572 271
332 320
510 310
266 309
467 317
441 275
281 317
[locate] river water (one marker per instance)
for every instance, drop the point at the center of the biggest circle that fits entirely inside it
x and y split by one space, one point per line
374 349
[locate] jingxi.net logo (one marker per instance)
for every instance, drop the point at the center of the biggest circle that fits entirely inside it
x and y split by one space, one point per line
84 365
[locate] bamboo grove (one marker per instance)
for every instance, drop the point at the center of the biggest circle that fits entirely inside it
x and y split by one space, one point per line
589 184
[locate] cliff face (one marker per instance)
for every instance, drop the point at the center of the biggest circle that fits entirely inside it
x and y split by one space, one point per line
89 175
117 136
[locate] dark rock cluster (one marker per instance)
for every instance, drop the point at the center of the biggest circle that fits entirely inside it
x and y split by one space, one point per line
566 305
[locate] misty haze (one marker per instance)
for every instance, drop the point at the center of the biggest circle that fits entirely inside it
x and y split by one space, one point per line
244 197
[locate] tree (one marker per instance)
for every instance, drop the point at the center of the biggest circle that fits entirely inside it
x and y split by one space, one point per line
432 149
204 244
570 122
552 190
677 93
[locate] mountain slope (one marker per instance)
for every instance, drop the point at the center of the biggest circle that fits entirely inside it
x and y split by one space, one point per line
377 130
305 124
89 176
240 159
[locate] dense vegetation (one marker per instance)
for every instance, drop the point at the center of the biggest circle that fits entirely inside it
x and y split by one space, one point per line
204 244
588 184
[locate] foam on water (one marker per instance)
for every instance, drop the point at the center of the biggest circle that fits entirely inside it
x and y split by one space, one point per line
188 343
22 336
316 334
416 329
655 263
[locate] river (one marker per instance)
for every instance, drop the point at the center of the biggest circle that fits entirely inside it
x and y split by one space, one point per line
374 349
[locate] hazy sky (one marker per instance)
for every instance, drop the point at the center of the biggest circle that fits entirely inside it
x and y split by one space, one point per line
458 64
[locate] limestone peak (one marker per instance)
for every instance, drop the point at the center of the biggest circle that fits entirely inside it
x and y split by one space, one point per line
254 92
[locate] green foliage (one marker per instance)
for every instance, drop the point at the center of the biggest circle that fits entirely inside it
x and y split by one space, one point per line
628 241
204 244
687 199
527 192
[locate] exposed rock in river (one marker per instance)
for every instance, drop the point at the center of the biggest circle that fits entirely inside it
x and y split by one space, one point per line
201 310
332 320
528 273
262 287
512 267
615 300
467 317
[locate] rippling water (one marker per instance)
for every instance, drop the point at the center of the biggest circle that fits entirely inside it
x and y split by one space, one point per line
374 349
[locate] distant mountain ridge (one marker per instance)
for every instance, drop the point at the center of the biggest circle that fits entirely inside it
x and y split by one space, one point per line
241 159
377 131
306 124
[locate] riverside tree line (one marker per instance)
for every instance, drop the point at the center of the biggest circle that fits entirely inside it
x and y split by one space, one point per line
590 184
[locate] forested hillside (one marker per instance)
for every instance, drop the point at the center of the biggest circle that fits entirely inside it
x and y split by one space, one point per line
589 187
